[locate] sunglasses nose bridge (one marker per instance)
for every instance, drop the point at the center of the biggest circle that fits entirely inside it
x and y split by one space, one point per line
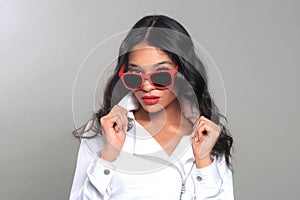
147 79
147 82
147 85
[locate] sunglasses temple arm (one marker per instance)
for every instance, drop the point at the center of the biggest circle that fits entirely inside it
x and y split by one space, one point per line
121 72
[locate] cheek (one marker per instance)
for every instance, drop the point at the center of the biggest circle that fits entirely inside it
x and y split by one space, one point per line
173 92
137 94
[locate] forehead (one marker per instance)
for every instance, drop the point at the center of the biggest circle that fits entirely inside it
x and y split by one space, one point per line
143 54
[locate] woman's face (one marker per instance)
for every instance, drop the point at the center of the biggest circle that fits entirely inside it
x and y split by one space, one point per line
145 59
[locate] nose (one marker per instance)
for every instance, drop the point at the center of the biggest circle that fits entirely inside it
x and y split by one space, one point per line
147 86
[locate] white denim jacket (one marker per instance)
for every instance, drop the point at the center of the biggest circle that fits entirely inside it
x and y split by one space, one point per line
144 171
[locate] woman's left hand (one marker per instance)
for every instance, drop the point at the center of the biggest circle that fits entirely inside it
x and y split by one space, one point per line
205 135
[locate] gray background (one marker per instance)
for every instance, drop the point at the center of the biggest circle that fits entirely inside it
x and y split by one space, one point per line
42 44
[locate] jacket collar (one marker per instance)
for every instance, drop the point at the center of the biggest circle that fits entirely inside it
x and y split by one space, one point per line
144 145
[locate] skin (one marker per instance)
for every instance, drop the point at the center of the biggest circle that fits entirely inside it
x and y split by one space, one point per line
146 59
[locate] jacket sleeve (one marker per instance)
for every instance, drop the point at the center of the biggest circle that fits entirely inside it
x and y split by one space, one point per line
214 181
94 178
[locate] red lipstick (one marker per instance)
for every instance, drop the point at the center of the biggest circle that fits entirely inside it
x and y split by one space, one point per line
151 99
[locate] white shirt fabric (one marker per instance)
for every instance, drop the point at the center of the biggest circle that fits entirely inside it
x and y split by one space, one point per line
143 170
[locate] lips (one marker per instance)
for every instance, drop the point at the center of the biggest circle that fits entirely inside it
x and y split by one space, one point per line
151 99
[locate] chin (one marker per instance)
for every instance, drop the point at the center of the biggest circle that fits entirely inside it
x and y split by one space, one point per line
153 108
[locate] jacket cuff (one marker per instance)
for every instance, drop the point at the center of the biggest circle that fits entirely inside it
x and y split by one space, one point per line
100 173
207 175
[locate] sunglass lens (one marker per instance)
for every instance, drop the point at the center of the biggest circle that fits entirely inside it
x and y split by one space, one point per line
161 79
132 81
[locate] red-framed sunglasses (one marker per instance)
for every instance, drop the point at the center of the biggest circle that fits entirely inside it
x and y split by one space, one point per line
160 80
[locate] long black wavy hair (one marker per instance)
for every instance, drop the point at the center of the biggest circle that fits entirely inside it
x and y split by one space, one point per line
170 36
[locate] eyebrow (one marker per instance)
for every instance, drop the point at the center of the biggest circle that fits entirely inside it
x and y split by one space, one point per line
155 65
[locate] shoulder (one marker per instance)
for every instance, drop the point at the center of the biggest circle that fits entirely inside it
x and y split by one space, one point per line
89 129
222 166
91 139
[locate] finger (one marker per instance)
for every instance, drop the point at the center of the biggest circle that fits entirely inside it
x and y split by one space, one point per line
124 119
195 128
121 110
196 124
123 123
122 114
207 145
119 121
198 138
107 119
211 123
195 141
212 134
204 123
117 111
204 119
208 121
107 122
213 126
117 128
203 131
118 108
201 123
125 127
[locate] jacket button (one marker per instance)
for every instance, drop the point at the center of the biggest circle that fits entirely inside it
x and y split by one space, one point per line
199 178
106 171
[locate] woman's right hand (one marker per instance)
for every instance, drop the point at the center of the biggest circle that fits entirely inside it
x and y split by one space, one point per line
114 126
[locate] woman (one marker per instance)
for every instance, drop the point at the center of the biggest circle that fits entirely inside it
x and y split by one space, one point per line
158 134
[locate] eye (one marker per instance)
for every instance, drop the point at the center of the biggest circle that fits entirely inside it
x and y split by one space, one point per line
135 71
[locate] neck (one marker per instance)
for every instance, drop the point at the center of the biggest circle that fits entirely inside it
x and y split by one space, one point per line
166 126
169 115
